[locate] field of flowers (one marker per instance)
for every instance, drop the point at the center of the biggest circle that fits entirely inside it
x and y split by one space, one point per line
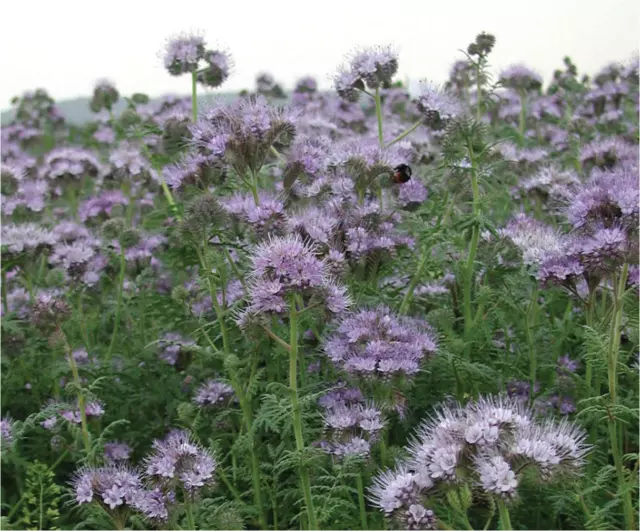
346 310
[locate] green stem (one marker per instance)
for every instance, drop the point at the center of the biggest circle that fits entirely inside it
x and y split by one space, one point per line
245 404
619 285
523 116
116 325
505 521
406 133
234 268
83 322
194 95
590 312
277 154
614 337
478 92
361 502
404 305
5 304
295 405
473 247
81 400
379 116
254 188
532 319
189 511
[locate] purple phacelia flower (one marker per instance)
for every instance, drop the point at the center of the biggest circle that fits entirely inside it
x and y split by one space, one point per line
534 239
26 238
128 162
377 343
218 67
375 66
438 106
213 393
171 345
520 77
101 205
6 431
183 53
413 192
116 451
177 460
112 486
284 267
70 162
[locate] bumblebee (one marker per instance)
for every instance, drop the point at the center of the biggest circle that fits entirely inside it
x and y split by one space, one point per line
402 173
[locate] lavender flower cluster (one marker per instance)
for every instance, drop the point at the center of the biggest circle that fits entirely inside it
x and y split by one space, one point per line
487 444
378 344
351 424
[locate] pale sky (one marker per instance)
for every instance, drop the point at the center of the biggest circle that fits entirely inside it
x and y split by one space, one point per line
65 46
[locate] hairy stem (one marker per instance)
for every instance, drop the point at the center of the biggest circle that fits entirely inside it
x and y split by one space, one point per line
191 524
116 325
379 116
532 320
81 399
589 321
473 247
523 116
505 520
5 304
619 285
404 305
194 95
406 133
478 92
361 502
295 405
245 404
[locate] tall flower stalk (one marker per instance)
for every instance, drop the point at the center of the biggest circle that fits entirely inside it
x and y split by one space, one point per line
473 246
82 406
194 96
120 288
245 403
379 116
613 351
295 406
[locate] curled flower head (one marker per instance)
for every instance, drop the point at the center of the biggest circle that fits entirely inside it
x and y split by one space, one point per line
377 343
177 460
534 239
520 77
265 218
243 132
127 161
496 476
375 66
71 163
608 198
105 95
394 489
6 431
438 106
213 393
183 53
287 266
116 451
606 153
173 345
348 84
218 67
112 486
492 438
25 238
